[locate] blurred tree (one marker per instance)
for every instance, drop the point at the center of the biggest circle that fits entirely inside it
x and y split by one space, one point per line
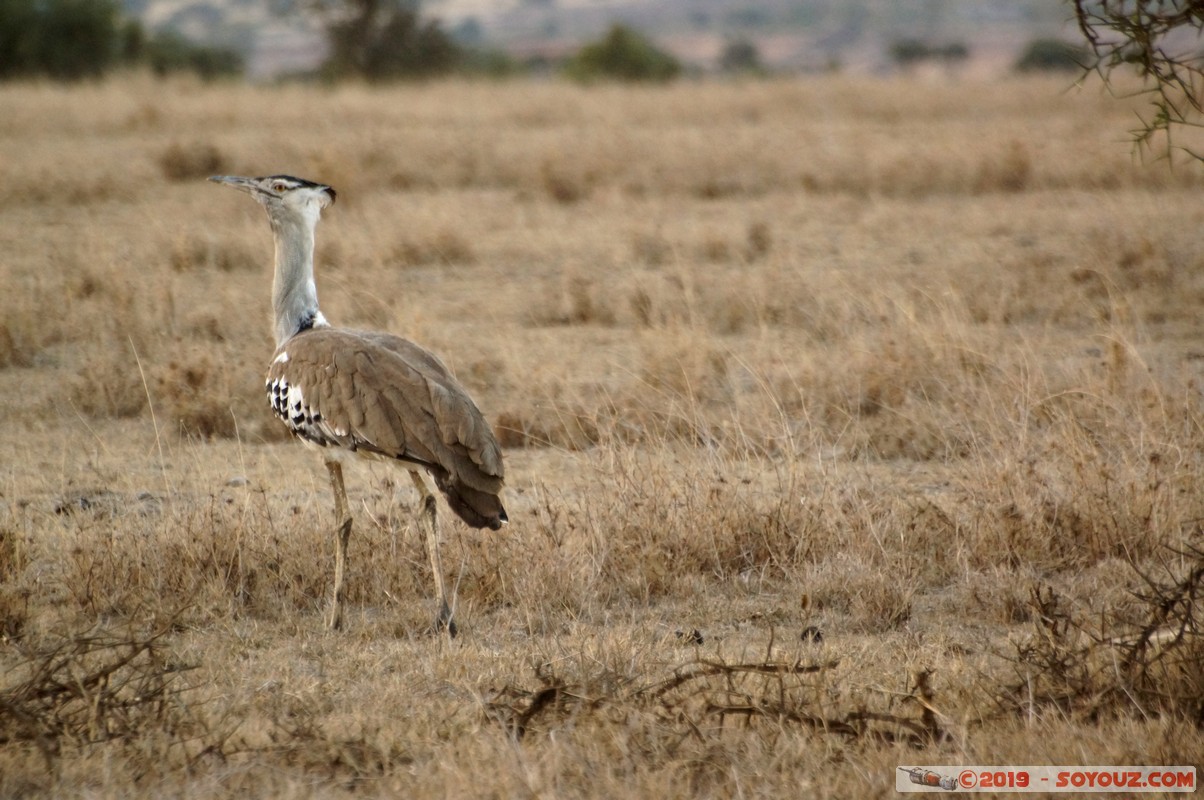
489 63
910 52
906 52
381 39
65 39
953 53
20 32
623 54
80 38
74 39
169 52
1149 37
741 56
132 48
1052 55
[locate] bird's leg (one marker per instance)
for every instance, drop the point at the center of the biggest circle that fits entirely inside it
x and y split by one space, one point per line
341 534
444 619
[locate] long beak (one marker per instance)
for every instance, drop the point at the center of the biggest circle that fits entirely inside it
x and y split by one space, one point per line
247 185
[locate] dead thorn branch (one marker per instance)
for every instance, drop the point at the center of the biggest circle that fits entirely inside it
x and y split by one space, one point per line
1100 666
87 689
699 697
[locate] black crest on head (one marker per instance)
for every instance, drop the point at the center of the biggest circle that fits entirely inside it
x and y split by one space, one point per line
301 182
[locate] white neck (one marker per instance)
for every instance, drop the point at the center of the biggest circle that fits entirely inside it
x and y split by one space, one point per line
294 295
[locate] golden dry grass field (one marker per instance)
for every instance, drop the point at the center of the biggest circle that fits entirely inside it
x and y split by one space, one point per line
916 366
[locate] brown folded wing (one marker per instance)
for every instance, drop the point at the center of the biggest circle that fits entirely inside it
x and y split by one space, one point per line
381 394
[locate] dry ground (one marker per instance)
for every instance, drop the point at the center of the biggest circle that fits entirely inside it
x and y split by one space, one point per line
914 366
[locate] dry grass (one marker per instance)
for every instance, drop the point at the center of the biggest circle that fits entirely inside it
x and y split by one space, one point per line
848 424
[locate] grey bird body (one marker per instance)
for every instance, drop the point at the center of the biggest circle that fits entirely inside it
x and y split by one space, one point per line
368 393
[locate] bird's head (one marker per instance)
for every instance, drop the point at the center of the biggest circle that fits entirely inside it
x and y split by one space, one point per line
284 196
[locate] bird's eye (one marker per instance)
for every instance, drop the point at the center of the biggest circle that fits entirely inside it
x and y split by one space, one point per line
279 186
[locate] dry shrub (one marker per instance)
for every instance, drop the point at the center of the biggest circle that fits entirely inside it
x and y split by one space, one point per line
109 388
659 300
210 390
544 576
547 425
207 325
893 389
190 162
874 598
193 252
14 594
1094 662
14 612
914 175
671 527
1063 497
370 167
219 568
29 330
444 246
68 693
243 555
716 300
293 732
124 694
204 564
759 241
1009 171
116 313
1144 264
651 249
196 398
125 346
716 293
566 182
70 188
13 353
918 435
1031 286
13 558
576 299
1000 594
719 188
883 377
678 366
715 250
910 394
658 414
1152 279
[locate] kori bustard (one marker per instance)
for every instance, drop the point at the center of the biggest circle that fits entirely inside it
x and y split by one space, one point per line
368 393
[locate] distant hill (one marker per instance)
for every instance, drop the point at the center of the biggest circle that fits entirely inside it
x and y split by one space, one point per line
281 36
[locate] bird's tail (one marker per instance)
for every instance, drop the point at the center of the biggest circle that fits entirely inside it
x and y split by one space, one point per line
478 509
